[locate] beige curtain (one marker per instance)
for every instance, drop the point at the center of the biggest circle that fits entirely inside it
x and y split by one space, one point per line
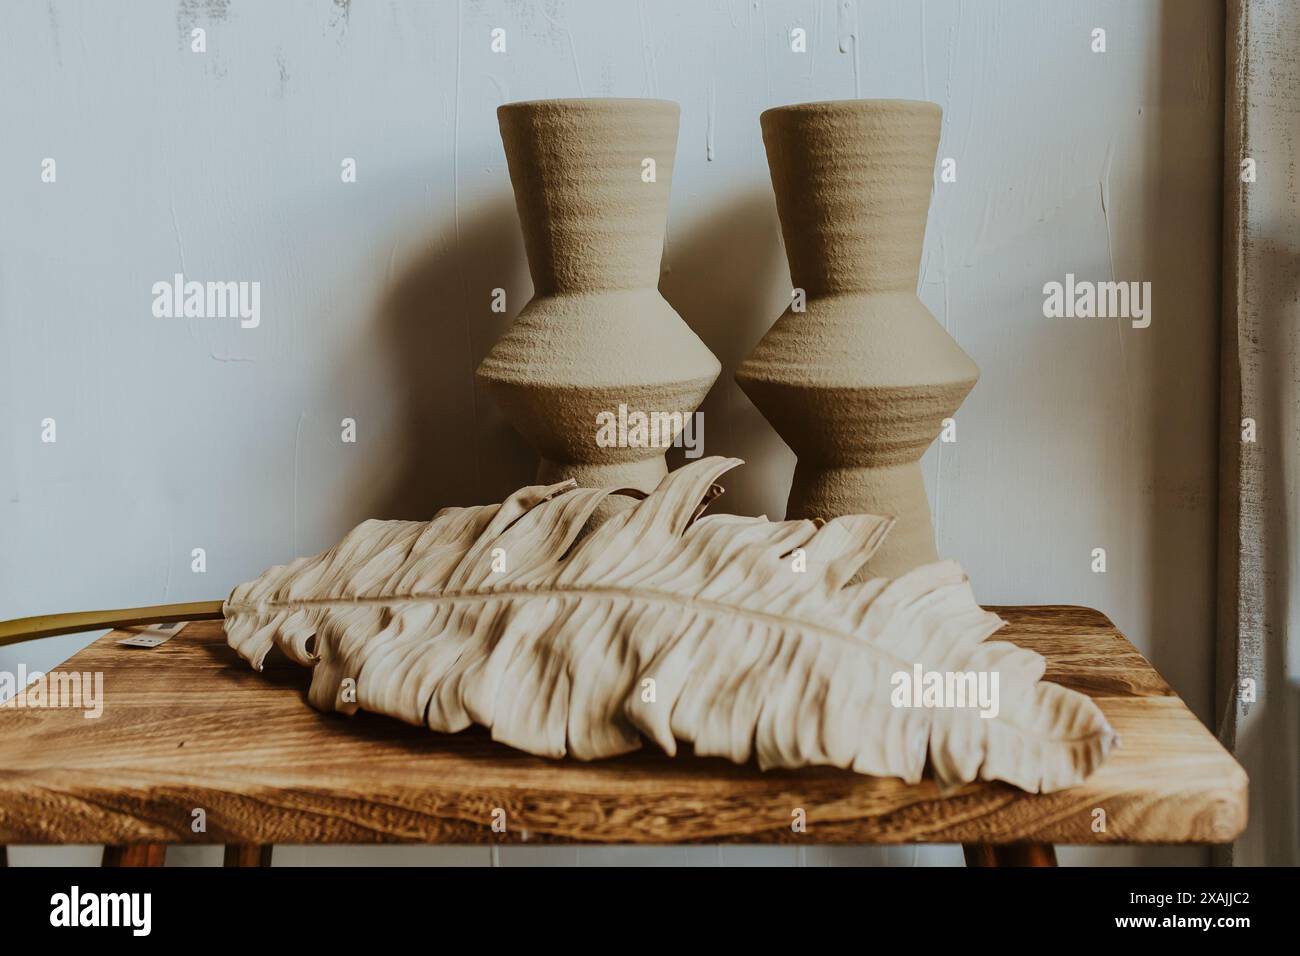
1258 687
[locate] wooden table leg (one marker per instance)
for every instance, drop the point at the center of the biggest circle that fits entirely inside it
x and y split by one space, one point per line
248 854
1009 854
137 854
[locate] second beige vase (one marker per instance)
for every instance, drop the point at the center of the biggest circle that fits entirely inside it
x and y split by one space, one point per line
591 180
859 382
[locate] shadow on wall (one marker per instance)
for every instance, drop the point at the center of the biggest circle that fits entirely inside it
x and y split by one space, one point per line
1172 391
1272 828
726 276
436 323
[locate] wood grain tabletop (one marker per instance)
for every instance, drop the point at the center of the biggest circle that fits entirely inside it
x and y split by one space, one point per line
187 726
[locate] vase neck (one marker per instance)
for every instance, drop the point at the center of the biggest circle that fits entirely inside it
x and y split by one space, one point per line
838 267
587 252
591 181
852 183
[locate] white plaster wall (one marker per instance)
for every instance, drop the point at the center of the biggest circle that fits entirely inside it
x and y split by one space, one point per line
176 434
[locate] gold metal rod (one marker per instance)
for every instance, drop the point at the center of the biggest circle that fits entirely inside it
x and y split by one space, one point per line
48 625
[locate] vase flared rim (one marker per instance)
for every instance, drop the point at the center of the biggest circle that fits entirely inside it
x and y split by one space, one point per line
914 107
591 103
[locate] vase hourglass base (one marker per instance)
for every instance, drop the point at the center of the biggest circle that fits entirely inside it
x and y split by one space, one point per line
894 490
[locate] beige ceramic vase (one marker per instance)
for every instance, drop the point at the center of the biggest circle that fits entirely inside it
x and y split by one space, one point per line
591 180
859 382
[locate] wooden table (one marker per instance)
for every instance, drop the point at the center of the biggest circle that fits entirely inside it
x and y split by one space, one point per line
189 726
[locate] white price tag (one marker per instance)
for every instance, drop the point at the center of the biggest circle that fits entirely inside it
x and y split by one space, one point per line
154 634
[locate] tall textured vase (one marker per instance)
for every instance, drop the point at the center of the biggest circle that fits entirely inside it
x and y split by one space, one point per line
859 378
591 180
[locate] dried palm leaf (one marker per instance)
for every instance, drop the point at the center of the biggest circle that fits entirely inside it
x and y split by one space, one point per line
740 635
